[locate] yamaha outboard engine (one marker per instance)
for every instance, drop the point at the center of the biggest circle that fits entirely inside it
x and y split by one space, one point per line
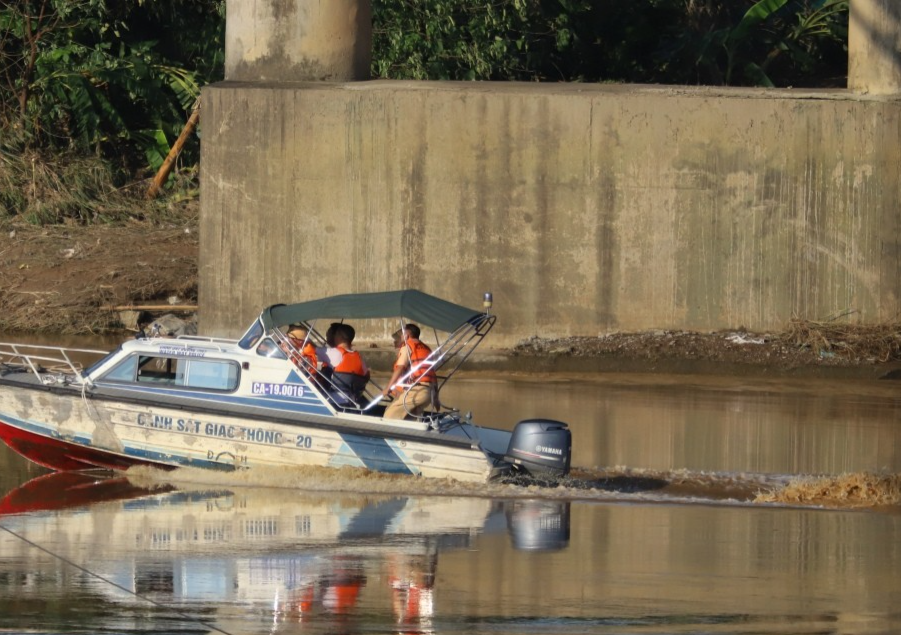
541 448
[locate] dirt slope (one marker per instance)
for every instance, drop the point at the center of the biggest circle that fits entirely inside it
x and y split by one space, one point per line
61 278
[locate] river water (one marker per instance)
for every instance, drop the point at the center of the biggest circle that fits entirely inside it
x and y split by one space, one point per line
658 532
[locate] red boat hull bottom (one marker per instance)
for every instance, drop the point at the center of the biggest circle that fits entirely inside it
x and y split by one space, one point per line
59 455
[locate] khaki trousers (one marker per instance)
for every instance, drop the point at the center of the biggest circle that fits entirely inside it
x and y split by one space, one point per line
410 402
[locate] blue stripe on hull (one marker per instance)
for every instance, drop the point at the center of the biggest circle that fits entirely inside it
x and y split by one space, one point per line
375 454
306 405
345 457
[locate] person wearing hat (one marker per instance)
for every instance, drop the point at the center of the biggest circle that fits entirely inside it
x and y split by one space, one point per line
304 353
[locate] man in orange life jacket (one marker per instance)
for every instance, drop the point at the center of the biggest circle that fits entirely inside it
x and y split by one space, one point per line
297 334
410 400
349 372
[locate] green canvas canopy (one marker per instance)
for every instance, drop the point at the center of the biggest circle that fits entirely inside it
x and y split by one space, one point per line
410 304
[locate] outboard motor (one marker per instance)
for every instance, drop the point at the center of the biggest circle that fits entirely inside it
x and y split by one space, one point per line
541 448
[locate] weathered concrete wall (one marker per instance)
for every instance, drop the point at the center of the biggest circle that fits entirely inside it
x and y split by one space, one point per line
874 47
298 40
584 208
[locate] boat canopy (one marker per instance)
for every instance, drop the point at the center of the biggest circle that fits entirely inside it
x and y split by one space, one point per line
410 304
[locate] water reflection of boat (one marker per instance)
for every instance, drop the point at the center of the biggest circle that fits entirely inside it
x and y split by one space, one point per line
64 490
299 556
264 401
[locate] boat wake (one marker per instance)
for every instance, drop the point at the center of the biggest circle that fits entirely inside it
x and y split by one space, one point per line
859 490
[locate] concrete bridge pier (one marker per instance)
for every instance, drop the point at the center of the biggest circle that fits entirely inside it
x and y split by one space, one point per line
585 208
874 47
298 40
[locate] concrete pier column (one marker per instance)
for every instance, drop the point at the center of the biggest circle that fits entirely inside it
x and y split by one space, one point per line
298 40
874 47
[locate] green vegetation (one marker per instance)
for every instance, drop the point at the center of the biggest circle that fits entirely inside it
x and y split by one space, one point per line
92 95
713 42
94 92
105 77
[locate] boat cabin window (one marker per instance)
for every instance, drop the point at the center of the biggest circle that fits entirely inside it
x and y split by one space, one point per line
169 371
100 362
252 336
124 370
209 374
268 348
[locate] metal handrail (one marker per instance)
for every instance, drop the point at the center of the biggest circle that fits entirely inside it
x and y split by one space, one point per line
320 381
30 356
460 344
201 338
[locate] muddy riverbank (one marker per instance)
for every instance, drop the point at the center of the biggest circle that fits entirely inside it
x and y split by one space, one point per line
70 279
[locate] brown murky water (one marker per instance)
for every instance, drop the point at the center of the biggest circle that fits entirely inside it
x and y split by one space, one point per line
706 423
658 532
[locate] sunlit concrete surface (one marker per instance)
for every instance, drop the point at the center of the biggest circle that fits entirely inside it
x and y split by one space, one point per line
294 40
874 47
584 208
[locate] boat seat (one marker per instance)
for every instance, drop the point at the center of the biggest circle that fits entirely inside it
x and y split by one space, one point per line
155 377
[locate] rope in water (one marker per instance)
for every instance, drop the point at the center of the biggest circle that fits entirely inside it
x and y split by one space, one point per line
110 582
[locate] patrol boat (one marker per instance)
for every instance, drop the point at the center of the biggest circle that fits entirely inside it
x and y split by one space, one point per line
258 401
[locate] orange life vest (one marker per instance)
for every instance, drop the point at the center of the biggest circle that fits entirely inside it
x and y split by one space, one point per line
341 598
351 362
308 352
418 353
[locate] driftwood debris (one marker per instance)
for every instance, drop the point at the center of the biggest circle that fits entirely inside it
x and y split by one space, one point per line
151 307
879 342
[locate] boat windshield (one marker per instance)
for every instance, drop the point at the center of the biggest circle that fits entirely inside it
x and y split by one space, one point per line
90 369
252 336
269 348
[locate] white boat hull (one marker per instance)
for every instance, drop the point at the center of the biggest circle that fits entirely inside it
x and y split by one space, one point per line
109 433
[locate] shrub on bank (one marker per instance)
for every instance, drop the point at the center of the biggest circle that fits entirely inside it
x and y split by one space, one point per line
45 188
